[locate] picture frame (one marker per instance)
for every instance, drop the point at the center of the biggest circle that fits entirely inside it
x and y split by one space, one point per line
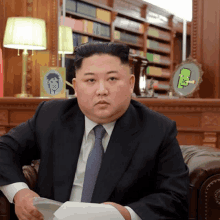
186 78
52 82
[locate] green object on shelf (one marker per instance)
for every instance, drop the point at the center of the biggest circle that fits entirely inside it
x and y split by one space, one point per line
147 70
150 57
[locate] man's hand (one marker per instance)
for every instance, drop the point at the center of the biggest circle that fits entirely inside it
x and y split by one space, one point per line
124 212
24 208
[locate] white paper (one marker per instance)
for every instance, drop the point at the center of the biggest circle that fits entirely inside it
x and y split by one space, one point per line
47 207
87 211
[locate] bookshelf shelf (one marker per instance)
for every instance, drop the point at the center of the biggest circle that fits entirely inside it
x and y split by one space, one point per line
158 64
159 39
97 4
157 51
130 44
125 15
160 89
159 26
77 15
92 35
128 30
155 76
139 57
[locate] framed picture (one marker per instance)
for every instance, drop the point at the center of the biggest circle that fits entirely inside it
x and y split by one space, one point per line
53 82
186 78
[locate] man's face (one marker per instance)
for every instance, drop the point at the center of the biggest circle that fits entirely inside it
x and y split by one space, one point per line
103 78
53 83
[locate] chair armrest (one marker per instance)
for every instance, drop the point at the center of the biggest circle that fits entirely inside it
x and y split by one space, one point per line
31 173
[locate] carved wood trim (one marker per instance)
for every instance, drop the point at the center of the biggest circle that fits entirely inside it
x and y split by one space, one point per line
29 13
54 57
3 117
194 30
2 130
210 139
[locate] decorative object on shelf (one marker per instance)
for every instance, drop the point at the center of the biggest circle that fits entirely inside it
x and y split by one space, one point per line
150 91
52 82
186 78
28 34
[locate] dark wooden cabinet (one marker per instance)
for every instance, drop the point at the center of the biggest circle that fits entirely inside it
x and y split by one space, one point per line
198 120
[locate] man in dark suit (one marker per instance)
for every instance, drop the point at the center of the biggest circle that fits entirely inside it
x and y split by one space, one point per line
142 172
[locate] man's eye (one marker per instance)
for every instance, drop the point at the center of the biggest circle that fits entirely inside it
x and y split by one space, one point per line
90 80
113 78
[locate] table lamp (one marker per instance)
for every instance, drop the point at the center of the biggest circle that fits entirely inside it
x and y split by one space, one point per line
65 45
28 34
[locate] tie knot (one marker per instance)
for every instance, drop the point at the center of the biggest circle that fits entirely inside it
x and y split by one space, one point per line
99 131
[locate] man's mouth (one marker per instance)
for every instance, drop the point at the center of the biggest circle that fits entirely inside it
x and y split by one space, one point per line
102 102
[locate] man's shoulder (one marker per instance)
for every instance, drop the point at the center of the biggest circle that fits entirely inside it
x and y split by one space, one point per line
58 107
150 115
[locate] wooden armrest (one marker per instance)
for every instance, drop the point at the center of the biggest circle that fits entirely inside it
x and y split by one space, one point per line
30 173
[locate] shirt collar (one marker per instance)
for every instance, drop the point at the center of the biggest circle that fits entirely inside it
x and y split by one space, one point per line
89 125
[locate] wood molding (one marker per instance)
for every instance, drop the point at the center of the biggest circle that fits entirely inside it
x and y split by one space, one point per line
197 120
55 28
194 29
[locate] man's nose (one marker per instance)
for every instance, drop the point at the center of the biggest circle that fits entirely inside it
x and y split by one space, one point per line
102 89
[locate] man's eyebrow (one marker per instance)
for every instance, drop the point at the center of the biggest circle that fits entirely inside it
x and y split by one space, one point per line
90 73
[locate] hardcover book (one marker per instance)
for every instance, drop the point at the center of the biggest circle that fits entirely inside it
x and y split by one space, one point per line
86 9
103 15
71 5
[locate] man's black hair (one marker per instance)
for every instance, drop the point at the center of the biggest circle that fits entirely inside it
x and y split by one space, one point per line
88 49
52 75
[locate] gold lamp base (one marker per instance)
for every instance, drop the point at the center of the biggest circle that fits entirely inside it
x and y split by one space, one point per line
23 95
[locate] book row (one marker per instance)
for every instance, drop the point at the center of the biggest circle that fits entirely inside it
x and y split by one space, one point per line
79 39
158 33
155 71
151 44
156 58
128 24
88 10
125 37
83 25
158 84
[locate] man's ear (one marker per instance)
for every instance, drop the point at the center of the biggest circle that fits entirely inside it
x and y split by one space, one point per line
132 82
74 85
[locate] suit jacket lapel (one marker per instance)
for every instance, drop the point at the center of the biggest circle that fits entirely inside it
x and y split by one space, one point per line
120 150
68 139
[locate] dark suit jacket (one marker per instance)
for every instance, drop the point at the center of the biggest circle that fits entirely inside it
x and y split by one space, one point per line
142 168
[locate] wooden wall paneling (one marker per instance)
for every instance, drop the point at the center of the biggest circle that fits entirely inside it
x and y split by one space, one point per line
47 10
12 63
205 40
189 138
146 25
178 27
170 23
144 11
111 3
112 25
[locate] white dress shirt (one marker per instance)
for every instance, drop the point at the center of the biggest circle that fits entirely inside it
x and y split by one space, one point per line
87 144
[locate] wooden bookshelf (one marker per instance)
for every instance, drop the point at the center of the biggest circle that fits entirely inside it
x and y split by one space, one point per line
135 34
77 15
92 35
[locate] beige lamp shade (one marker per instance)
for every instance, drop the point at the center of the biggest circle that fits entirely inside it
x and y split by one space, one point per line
25 33
65 45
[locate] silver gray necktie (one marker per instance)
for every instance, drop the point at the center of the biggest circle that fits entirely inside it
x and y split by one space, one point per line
93 164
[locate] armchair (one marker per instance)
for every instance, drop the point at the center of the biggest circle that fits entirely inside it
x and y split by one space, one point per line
204 170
